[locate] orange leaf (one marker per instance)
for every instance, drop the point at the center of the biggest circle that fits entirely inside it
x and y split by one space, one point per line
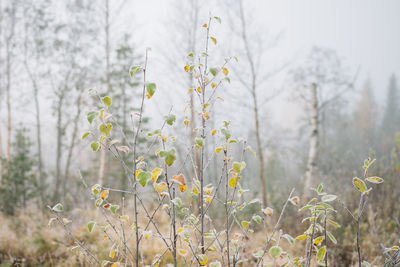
180 179
182 188
104 194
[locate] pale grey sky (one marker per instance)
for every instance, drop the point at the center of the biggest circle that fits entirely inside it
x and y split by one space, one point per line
364 32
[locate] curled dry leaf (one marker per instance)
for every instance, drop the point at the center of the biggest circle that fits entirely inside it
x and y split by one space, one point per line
295 200
123 148
268 211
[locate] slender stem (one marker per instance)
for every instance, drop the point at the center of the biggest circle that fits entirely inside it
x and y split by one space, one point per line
226 205
311 243
275 228
326 242
135 163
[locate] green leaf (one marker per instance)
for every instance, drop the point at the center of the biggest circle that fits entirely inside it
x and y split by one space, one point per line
199 142
238 166
226 133
143 177
170 119
91 115
104 263
85 135
321 253
328 198
91 225
251 151
360 185
214 71
177 202
107 101
289 238
275 251
257 218
151 89
335 224
133 70
114 208
258 254
169 156
319 189
95 146
103 129
306 207
331 237
58 207
218 19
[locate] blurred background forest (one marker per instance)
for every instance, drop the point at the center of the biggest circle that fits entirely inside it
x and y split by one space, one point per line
315 91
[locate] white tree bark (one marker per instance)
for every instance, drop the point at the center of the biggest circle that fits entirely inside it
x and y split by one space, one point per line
314 139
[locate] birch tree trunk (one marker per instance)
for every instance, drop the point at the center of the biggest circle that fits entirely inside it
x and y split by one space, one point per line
314 139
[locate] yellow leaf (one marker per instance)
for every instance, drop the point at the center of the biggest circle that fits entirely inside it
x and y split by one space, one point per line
146 234
183 252
199 89
161 187
112 253
213 40
206 116
115 264
374 180
302 237
213 132
190 89
137 173
232 182
208 199
186 68
124 218
205 25
213 84
225 71
360 185
186 122
104 194
208 190
245 224
318 240
195 191
155 174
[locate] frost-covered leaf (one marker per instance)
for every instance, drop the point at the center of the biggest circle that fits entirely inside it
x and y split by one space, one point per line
91 115
360 185
58 207
374 180
91 225
143 177
328 198
107 101
275 251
